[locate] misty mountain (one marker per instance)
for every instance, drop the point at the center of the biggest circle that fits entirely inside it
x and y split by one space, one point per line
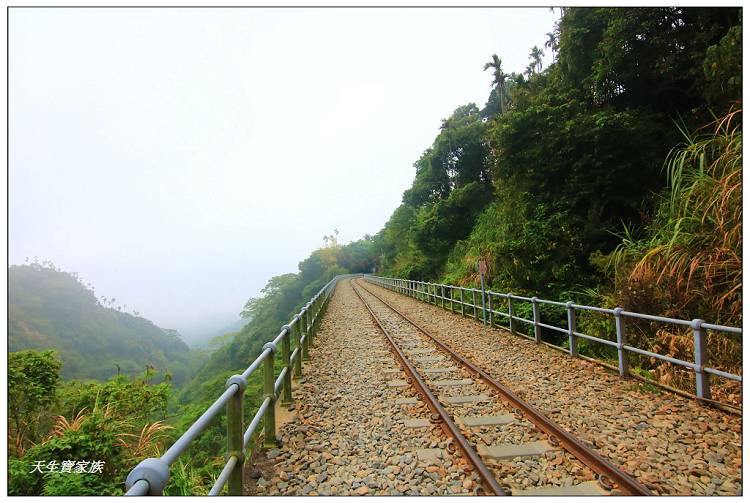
52 309
210 340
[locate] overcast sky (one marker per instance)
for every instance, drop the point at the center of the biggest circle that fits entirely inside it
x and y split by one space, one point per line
178 158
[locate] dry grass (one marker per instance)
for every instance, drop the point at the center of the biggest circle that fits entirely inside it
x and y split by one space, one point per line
62 425
145 444
695 245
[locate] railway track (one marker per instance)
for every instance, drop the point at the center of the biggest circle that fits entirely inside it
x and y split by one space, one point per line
513 447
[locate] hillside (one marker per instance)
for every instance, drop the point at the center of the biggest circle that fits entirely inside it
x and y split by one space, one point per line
52 309
569 164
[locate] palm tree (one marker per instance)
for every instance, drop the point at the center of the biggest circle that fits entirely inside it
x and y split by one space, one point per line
497 70
536 58
551 43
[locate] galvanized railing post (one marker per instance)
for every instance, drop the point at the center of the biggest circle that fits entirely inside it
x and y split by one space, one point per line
450 290
305 333
537 319
314 321
622 354
511 321
489 307
235 430
571 329
484 309
297 330
474 303
316 318
269 425
442 296
702 383
286 354
461 293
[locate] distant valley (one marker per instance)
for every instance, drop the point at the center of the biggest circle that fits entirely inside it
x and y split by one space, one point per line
209 340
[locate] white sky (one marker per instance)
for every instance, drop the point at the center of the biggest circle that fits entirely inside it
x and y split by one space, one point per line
179 158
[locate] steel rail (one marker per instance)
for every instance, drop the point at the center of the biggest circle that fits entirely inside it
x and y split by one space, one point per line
450 428
587 456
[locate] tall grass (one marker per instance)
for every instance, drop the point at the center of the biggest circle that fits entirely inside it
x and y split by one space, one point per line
690 262
694 243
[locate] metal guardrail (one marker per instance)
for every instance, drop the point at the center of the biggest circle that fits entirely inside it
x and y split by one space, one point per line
437 294
151 475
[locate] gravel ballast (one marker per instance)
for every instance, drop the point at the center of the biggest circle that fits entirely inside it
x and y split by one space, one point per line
671 444
348 434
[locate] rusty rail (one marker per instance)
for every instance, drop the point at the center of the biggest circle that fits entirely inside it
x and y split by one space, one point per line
447 424
587 456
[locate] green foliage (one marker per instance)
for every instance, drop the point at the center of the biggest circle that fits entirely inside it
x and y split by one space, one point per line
49 308
723 69
570 154
185 480
129 396
21 482
451 187
692 248
117 422
33 378
641 57
80 484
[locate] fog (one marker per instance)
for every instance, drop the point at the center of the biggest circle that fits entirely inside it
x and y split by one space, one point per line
178 158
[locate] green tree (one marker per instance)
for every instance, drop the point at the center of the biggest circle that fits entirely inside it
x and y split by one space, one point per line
536 59
33 378
499 80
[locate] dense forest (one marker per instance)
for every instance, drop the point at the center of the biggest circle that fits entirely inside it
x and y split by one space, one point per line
612 177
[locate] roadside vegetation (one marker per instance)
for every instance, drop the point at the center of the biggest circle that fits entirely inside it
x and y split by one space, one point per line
612 177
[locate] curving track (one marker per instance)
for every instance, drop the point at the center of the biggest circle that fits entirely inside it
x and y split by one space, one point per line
494 429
